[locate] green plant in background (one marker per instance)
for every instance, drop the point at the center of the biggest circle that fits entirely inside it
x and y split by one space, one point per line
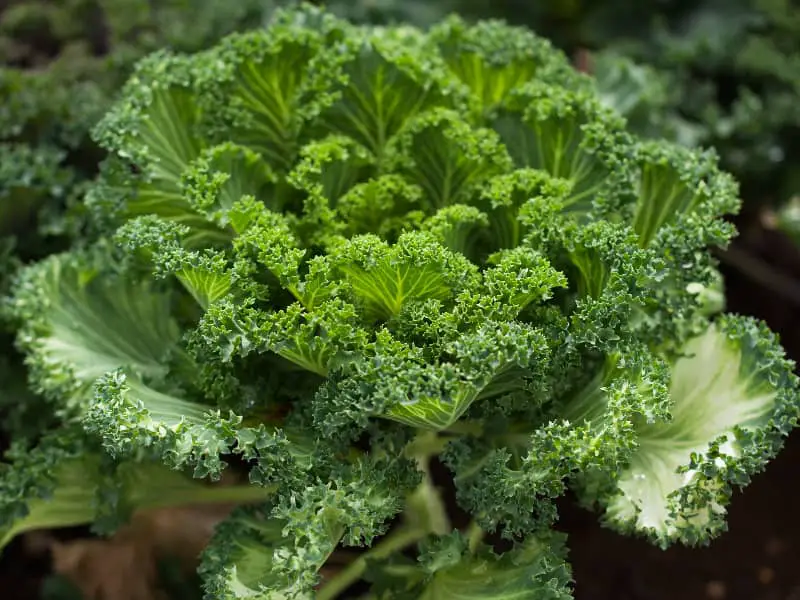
339 255
736 65
64 61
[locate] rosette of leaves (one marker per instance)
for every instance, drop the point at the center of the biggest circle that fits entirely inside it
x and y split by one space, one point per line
337 254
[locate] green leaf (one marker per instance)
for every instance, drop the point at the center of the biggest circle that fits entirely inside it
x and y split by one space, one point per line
509 477
384 205
486 363
51 486
68 482
134 420
222 175
206 275
504 196
493 59
206 278
458 227
648 98
387 80
610 276
522 276
259 93
436 398
449 159
533 570
155 129
676 184
313 340
79 324
276 550
239 561
385 277
327 170
156 124
130 417
734 399
267 239
603 254
330 167
569 135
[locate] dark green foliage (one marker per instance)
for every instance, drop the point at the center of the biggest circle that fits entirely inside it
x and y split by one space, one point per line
331 253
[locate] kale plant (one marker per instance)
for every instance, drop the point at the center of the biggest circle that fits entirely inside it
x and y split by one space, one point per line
419 284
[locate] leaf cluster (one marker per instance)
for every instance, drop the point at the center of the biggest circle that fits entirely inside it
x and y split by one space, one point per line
333 255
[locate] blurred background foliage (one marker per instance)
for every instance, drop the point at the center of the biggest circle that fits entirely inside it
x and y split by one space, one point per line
61 63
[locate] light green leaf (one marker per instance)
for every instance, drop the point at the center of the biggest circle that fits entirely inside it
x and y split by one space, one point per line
327 170
734 399
385 277
314 339
240 560
85 324
271 552
569 135
130 416
521 276
68 482
534 570
222 175
330 167
384 205
156 127
205 274
205 278
492 59
261 95
386 82
458 227
677 183
267 239
438 407
167 132
504 195
491 361
449 159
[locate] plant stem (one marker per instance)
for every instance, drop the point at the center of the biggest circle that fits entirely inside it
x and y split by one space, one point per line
466 428
394 542
474 536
